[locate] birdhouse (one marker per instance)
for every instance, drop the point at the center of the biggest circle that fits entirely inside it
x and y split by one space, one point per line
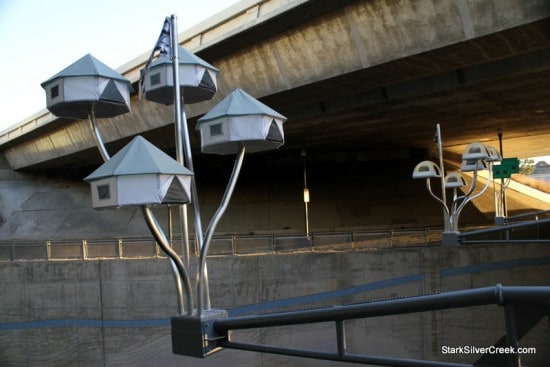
139 174
493 154
87 84
470 165
426 169
475 150
197 79
454 180
240 119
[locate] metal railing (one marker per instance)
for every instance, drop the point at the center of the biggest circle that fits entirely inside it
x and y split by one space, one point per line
523 308
516 230
223 245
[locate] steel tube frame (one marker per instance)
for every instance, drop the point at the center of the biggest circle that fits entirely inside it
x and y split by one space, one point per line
175 260
202 281
179 271
183 141
508 297
446 212
346 357
505 228
456 299
179 120
97 136
510 315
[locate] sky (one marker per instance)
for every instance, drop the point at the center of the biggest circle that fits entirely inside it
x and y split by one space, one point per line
39 38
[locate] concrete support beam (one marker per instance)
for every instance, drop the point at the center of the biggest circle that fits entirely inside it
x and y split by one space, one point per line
357 36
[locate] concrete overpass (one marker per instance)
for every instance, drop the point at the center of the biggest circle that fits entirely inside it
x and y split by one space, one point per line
372 76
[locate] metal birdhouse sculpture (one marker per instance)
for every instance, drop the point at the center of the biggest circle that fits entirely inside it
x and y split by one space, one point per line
139 174
197 79
87 86
240 119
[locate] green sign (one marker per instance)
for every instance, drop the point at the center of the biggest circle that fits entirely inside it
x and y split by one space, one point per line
506 168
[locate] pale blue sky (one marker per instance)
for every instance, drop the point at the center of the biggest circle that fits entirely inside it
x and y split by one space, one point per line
39 38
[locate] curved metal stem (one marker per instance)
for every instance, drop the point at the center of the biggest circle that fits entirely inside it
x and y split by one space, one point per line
97 136
180 275
173 256
446 213
469 198
429 186
195 204
201 281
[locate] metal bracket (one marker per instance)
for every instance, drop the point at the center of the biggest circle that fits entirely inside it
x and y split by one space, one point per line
194 336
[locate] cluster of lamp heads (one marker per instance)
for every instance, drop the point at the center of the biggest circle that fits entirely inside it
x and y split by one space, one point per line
476 157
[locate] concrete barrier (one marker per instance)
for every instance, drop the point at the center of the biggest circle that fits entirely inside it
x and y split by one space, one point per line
115 312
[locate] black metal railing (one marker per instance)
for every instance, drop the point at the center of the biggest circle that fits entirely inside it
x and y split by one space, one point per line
527 231
222 245
523 307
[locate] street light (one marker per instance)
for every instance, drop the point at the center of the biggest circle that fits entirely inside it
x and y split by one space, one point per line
476 157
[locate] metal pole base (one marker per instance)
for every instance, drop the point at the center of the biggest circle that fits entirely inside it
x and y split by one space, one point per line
450 238
194 336
500 221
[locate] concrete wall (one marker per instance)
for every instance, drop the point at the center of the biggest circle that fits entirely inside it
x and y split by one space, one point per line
346 192
115 312
268 198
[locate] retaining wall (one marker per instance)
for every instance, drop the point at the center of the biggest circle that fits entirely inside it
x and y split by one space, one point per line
115 312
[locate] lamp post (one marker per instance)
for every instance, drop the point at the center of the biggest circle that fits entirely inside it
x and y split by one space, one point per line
476 157
303 153
503 171
174 77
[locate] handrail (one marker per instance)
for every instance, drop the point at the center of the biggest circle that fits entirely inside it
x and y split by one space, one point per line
498 295
85 249
204 336
526 215
505 229
260 243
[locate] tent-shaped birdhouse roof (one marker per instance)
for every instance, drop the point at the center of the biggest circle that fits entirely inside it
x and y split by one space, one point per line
86 85
140 174
185 57
136 158
238 121
197 79
88 66
240 103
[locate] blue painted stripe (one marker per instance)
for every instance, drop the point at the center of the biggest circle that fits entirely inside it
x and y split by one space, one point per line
50 323
325 296
84 323
136 323
499 265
